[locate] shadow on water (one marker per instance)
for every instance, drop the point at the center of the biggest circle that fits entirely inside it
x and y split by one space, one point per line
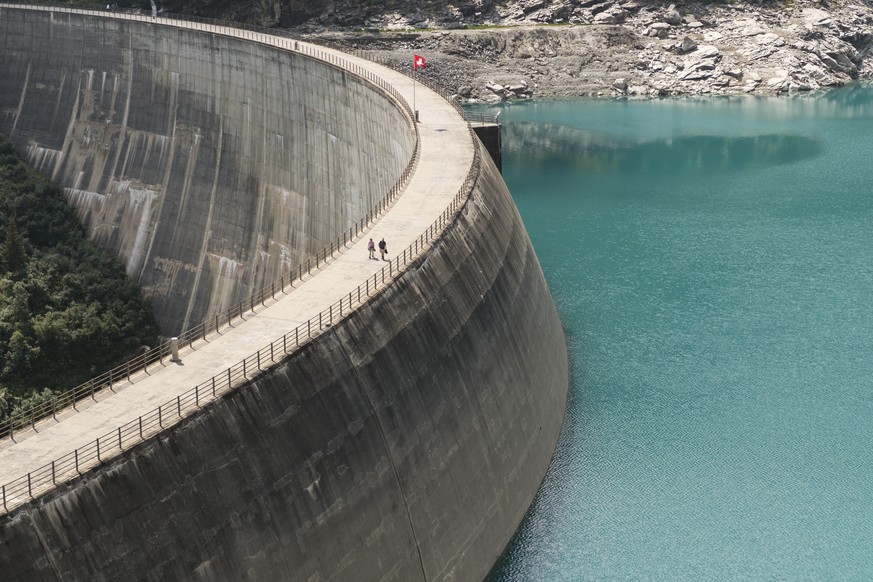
550 145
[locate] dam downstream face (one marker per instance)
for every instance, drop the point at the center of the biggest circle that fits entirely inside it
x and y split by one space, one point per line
210 165
345 453
710 259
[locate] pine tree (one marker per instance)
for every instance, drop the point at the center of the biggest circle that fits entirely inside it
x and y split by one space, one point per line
13 256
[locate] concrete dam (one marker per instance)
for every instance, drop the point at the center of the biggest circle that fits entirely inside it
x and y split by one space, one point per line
407 438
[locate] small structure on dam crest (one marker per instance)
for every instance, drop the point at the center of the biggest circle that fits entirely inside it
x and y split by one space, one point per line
400 432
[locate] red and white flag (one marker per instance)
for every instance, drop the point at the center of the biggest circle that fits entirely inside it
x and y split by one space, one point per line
418 62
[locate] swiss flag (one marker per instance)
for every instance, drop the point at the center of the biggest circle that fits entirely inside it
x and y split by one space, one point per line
418 62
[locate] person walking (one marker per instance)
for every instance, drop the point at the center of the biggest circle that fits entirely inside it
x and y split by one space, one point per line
383 248
371 246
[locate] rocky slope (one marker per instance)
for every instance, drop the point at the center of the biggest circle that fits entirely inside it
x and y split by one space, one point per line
490 51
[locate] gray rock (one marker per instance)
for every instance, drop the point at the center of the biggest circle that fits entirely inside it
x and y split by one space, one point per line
686 45
707 51
672 16
611 16
839 63
659 30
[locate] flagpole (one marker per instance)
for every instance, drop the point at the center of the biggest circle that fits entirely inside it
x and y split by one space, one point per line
414 75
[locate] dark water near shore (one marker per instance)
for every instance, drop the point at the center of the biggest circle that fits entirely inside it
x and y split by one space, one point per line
712 262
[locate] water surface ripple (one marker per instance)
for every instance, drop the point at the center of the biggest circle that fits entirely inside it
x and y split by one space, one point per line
712 262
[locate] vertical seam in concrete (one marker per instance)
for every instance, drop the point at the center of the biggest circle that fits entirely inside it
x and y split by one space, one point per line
207 231
49 556
21 100
127 57
388 453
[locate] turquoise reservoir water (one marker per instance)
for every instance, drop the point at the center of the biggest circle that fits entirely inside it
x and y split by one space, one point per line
712 262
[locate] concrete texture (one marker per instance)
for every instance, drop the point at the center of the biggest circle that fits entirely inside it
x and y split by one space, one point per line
406 443
209 164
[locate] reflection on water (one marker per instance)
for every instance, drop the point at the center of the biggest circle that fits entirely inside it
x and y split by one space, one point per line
547 144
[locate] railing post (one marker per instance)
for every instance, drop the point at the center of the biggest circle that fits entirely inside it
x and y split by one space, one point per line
98 450
228 378
120 448
141 437
244 370
197 395
213 386
92 390
179 405
3 490
160 423
128 370
174 349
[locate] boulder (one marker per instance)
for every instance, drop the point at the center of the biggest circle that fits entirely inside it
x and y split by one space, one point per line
687 45
672 16
815 17
707 51
611 16
839 63
532 6
659 30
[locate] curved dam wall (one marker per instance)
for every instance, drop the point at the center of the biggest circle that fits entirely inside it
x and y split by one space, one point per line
404 444
210 165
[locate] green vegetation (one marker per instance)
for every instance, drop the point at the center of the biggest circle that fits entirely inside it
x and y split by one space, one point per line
68 311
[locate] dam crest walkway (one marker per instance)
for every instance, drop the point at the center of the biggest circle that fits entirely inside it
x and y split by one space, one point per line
57 451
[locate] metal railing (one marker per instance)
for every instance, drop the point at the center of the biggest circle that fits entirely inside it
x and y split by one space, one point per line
482 117
73 464
19 491
68 402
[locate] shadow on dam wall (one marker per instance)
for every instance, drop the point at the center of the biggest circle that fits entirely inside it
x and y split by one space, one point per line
405 443
210 165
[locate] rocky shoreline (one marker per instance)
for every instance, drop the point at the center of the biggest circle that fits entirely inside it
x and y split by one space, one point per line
584 48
